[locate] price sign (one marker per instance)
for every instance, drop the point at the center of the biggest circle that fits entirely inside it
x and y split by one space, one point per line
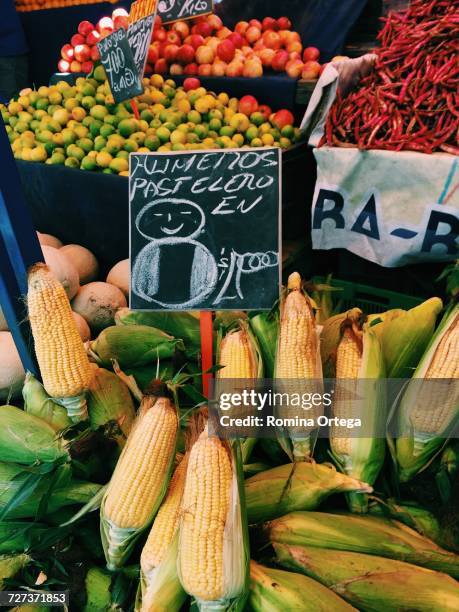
117 59
173 10
205 229
142 19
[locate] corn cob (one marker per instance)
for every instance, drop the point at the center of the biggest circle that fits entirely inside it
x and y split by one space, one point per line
140 479
359 365
237 356
428 409
10 565
61 355
297 486
365 534
25 439
38 403
298 355
331 336
213 560
109 401
373 584
272 590
134 345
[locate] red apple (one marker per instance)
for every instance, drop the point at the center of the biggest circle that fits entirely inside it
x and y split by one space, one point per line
265 110
237 40
82 53
104 23
191 83
259 45
195 40
226 51
294 47
282 118
215 22
170 52
294 68
173 38
272 40
92 38
152 55
158 20
63 65
311 54
284 23
269 23
68 52
311 70
77 39
248 105
182 28
267 56
75 66
224 33
219 68
176 69
253 34
212 42
204 55
148 69
121 12
120 21
185 54
255 23
280 60
204 29
159 34
205 70
252 68
241 27
234 69
86 67
85 27
161 66
191 69
95 55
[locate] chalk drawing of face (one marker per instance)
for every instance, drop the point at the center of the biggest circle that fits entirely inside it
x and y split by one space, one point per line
170 218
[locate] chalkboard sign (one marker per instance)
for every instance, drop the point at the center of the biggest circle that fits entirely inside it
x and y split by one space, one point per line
139 37
117 59
205 229
173 10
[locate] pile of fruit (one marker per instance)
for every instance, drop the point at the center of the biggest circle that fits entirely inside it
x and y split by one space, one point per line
206 47
81 53
116 439
79 125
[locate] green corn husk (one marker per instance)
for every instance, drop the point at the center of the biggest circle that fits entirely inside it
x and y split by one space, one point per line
178 324
411 514
38 403
143 375
272 590
330 337
20 536
373 584
32 608
265 327
405 338
294 486
362 533
10 566
364 456
98 584
27 439
415 449
134 345
322 296
162 591
250 469
447 470
65 492
109 401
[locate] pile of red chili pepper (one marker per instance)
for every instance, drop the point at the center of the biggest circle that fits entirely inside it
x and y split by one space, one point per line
410 101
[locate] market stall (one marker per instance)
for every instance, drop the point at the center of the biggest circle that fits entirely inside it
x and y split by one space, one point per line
228 336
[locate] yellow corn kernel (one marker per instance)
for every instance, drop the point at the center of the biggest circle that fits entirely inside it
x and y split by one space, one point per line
205 510
166 522
64 364
143 465
237 356
297 351
434 414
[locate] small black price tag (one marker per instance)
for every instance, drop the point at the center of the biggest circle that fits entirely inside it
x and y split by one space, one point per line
139 37
173 10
